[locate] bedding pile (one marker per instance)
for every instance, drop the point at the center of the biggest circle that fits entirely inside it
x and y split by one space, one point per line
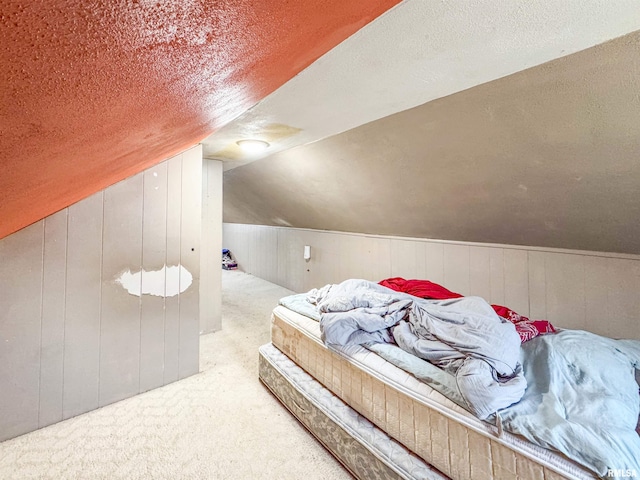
463 336
527 329
552 390
582 399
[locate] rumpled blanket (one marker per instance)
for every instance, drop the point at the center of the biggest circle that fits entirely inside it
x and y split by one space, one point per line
464 336
527 329
582 399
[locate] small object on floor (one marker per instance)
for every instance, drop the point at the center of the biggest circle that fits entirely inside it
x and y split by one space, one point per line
228 263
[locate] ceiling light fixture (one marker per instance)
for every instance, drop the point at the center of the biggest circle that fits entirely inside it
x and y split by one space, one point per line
252 146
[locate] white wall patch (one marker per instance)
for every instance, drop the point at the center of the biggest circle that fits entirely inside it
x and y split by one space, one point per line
166 282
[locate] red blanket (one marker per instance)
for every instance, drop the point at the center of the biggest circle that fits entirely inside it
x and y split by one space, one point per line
527 329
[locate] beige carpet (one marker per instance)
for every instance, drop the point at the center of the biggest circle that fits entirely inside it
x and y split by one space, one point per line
219 424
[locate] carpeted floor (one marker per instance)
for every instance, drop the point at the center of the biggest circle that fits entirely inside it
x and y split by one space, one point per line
219 424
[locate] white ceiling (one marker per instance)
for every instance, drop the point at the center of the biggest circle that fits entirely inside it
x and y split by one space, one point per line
416 52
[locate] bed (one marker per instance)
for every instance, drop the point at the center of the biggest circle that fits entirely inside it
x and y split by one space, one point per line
408 429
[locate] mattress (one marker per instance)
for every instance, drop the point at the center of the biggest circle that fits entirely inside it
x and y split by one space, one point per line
365 450
437 430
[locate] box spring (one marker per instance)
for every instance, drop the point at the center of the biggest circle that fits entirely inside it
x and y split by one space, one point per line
366 451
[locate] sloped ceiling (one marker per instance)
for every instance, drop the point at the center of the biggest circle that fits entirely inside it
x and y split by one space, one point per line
93 92
545 157
417 52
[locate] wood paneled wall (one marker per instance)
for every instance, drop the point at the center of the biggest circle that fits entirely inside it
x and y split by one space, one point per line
71 338
573 289
210 271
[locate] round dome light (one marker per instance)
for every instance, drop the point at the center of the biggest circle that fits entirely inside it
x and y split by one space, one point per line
252 146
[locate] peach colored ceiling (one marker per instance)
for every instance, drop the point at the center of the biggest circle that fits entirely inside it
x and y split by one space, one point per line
93 92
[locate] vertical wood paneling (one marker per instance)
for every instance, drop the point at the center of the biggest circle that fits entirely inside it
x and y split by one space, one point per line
348 265
582 290
360 250
354 257
236 236
379 258
53 312
210 251
348 261
20 317
245 250
324 258
172 304
280 254
190 260
251 247
229 237
227 234
120 323
310 274
238 249
345 266
267 246
516 281
624 309
207 255
82 299
421 270
293 272
285 266
479 272
596 294
298 264
152 308
257 249
246 241
71 337
408 259
496 275
343 258
365 254
271 260
434 255
565 290
254 249
456 268
537 286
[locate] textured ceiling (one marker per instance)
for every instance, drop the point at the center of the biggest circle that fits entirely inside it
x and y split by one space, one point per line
93 92
544 157
417 52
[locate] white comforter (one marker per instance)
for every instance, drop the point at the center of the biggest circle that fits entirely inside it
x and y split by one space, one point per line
464 336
